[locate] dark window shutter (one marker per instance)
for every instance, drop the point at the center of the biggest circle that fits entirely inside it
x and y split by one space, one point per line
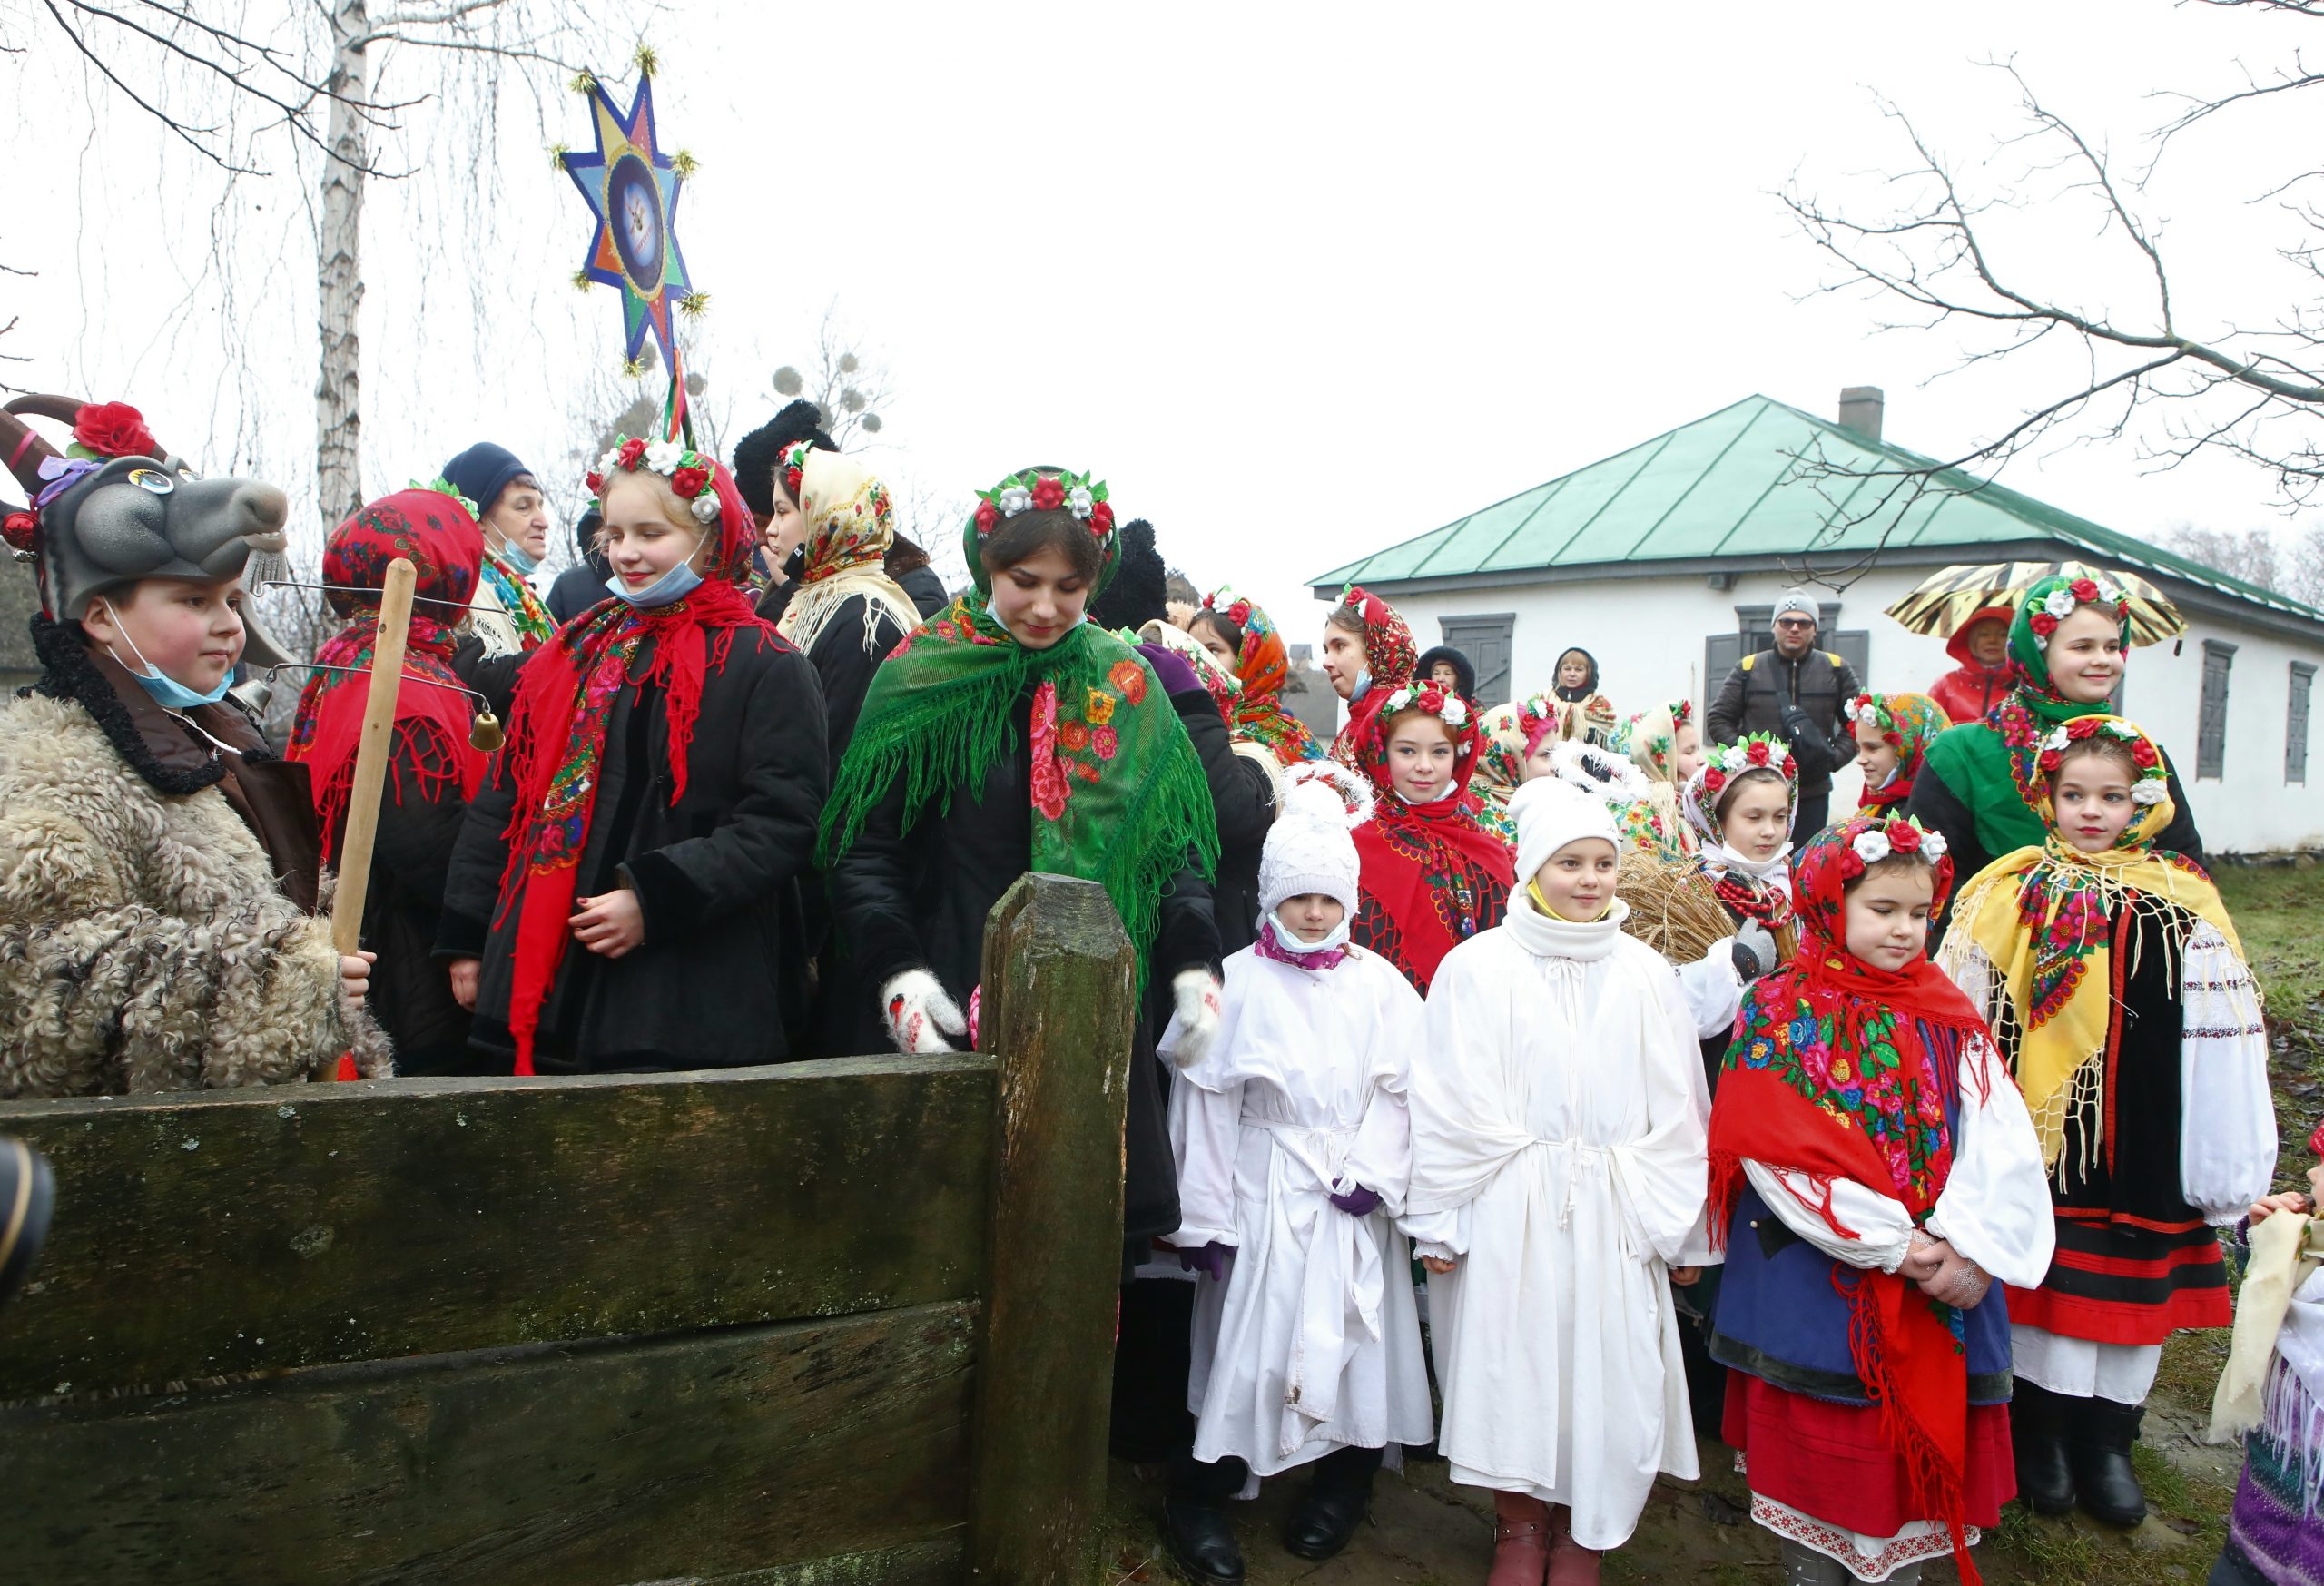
1485 641
2303 684
1720 652
2210 733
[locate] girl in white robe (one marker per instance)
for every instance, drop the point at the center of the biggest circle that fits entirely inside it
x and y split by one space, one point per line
1559 1109
1294 1148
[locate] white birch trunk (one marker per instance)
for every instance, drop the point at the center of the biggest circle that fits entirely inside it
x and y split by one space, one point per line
339 254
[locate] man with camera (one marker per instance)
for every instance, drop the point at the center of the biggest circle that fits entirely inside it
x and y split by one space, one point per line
1797 692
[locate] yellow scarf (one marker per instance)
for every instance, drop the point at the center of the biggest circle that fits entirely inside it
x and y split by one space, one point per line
851 524
2040 914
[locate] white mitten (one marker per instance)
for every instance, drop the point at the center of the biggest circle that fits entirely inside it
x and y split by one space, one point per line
919 1013
1196 993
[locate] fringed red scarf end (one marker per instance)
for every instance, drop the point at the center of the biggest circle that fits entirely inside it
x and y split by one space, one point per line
1935 1477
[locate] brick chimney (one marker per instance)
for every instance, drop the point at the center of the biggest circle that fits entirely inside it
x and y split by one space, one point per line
1860 409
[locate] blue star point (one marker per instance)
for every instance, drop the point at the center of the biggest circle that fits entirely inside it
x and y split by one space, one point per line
632 189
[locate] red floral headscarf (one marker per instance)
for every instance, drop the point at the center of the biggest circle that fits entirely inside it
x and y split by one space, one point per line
437 534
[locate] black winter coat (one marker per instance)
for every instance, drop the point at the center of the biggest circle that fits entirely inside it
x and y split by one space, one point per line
411 993
1243 794
720 980
926 589
919 897
1753 698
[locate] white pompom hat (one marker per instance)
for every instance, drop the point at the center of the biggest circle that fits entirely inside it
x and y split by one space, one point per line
1551 813
1309 849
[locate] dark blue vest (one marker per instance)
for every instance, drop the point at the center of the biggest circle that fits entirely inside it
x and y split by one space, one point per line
1780 1319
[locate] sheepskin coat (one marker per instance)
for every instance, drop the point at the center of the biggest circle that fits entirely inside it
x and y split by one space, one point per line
145 943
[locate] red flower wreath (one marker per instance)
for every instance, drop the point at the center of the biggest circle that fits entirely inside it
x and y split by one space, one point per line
2142 754
2044 624
688 482
1904 837
1713 780
2084 590
632 452
1049 493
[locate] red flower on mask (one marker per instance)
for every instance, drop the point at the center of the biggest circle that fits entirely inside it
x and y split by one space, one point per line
114 430
20 530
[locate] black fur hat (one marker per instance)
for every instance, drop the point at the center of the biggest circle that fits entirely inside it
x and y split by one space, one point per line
1462 668
756 453
1135 597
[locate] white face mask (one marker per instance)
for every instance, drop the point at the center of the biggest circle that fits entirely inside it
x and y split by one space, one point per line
1289 940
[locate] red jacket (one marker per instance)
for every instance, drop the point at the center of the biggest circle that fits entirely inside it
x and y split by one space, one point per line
1968 690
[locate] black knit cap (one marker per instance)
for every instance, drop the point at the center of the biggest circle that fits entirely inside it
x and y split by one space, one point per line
756 453
1137 595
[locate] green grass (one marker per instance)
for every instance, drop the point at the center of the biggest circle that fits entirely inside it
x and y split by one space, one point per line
2278 910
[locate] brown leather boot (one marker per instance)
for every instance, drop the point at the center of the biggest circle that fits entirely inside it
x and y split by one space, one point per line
1571 1563
1521 1552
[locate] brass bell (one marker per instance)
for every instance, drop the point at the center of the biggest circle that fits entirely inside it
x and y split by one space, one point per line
484 733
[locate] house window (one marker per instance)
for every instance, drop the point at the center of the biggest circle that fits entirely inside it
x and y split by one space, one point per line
1484 640
2303 680
2211 730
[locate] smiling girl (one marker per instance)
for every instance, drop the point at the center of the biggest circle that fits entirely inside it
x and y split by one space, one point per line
1434 872
1557 1191
619 894
1008 735
2068 646
1871 1172
2114 978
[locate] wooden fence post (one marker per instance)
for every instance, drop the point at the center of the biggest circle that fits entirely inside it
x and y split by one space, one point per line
1060 996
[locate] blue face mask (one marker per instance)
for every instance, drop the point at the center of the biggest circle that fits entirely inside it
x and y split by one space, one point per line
167 691
673 586
519 557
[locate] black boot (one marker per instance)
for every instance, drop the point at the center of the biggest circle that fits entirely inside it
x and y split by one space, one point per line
2037 1438
1201 1542
2099 1435
1337 1500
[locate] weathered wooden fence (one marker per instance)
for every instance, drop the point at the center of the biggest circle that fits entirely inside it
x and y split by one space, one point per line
833 1322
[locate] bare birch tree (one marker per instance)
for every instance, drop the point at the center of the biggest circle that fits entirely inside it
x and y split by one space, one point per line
1941 250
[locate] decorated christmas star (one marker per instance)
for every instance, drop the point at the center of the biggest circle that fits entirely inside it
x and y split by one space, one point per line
633 189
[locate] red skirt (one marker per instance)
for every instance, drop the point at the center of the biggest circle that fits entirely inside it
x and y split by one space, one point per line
1830 1461
2114 1281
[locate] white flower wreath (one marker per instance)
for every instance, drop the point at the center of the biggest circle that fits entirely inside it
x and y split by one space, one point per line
2059 604
2150 790
1871 847
1933 844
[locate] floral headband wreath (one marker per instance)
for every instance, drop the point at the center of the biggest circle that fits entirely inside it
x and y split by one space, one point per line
1873 709
1754 752
1034 491
2066 598
1435 700
692 474
1845 852
2150 782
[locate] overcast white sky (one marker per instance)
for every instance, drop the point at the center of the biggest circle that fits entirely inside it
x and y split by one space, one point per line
1300 281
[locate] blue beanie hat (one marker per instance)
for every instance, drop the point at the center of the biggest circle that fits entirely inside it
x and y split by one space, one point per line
482 472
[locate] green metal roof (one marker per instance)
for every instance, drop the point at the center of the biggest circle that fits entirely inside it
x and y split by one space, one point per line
1725 486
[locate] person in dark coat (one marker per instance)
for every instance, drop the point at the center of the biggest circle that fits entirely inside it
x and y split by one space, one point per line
1242 788
434 761
1013 735
1448 666
667 753
1797 692
582 585
908 566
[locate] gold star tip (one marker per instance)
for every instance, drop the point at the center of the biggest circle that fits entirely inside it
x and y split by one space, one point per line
557 153
584 80
581 279
633 367
695 304
647 61
686 165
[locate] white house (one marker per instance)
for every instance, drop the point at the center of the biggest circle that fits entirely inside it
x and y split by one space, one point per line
1665 561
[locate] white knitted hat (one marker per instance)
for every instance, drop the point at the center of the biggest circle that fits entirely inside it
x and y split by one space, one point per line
1308 849
1551 813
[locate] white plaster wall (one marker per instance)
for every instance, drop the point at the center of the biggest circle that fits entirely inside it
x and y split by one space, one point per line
1648 635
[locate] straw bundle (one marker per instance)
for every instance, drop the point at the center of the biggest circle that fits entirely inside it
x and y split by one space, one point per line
1674 910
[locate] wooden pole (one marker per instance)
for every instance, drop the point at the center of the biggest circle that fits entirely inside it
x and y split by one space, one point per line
353 861
1060 990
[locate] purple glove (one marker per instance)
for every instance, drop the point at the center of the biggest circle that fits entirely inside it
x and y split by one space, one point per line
1358 1202
1173 673
1211 1260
